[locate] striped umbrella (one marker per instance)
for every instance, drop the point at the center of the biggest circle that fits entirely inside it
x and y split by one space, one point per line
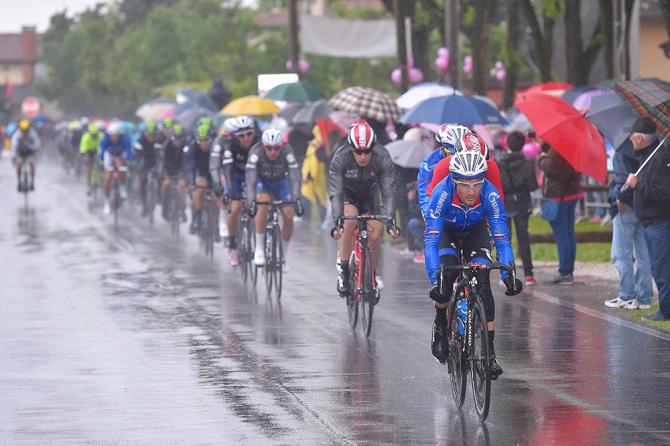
366 103
649 97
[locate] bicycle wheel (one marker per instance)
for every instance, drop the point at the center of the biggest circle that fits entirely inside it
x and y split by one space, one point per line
479 359
116 203
352 301
368 290
269 241
152 198
245 266
279 266
456 364
174 211
210 227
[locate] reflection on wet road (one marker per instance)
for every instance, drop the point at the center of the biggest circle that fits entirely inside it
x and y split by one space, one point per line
130 337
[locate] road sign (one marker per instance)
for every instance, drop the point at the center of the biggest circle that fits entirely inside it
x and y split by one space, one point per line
30 107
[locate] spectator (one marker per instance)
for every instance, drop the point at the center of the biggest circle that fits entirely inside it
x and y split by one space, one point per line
415 225
628 243
518 180
406 202
562 186
651 192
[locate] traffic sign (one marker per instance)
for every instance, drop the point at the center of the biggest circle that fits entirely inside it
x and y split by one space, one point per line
30 106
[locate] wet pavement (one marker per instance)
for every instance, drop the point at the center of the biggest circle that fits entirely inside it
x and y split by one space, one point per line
131 337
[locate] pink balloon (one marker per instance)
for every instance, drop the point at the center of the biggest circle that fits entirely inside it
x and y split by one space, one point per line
531 149
442 63
289 65
303 66
501 74
467 64
415 76
443 52
410 61
499 65
396 76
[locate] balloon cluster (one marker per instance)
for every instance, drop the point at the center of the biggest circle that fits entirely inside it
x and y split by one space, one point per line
414 75
467 65
442 59
303 65
498 71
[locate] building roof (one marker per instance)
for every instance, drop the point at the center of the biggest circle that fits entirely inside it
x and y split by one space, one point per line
10 48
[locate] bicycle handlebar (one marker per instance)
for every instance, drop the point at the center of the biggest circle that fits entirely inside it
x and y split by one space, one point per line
276 203
479 267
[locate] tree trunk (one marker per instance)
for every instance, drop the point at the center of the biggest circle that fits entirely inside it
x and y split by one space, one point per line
453 19
480 44
399 13
511 64
543 37
607 26
573 41
294 44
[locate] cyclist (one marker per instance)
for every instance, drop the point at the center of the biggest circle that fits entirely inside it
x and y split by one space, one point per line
272 174
174 165
25 145
221 144
88 148
445 138
356 178
197 161
233 165
115 152
146 148
459 210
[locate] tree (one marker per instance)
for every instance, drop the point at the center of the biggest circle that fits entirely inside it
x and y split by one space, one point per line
541 24
579 59
476 25
511 55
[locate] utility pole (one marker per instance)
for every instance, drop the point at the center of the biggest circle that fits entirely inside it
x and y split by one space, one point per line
293 43
452 27
398 11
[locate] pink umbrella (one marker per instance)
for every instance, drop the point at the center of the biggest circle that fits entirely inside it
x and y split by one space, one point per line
169 113
583 101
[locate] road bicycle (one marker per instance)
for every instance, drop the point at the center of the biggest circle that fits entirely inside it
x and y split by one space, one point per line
209 224
468 336
174 205
246 247
364 294
116 195
152 194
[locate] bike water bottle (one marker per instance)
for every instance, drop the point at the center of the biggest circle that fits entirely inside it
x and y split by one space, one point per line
462 315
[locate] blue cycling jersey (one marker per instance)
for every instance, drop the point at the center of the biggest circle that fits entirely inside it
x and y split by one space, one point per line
425 176
116 148
446 211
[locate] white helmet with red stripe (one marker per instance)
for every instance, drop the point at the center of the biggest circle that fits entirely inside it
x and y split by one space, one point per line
361 136
472 141
448 135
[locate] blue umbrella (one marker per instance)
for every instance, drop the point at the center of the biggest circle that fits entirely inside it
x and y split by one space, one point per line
613 116
464 110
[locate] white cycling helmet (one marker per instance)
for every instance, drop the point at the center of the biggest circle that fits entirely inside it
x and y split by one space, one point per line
244 123
114 129
272 137
468 164
230 125
472 141
448 135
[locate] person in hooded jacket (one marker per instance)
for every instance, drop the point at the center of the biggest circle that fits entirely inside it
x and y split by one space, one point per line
518 181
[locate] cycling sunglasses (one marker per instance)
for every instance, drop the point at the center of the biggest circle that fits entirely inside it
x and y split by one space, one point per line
272 148
248 134
362 151
469 186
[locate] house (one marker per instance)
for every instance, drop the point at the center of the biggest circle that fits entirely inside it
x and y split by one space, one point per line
18 57
653 56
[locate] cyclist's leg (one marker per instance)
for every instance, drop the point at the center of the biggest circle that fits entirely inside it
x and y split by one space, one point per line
199 193
165 186
108 165
120 162
346 242
18 161
281 190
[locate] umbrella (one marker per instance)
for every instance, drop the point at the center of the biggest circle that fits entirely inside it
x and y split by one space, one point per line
649 97
367 103
550 88
573 93
193 95
290 111
295 92
611 115
154 111
189 117
409 153
584 100
312 112
41 118
567 131
464 110
423 91
250 105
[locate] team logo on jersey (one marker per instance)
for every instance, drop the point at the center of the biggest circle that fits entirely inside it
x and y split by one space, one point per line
290 158
253 159
493 199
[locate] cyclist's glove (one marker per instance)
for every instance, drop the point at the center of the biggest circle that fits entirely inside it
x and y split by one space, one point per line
226 199
251 210
514 286
436 295
338 225
299 211
218 190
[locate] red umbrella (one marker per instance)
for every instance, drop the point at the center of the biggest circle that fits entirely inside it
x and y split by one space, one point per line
567 131
552 88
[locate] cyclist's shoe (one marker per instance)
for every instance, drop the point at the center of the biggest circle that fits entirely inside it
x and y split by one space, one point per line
108 208
376 295
496 370
195 225
378 280
259 257
285 268
223 229
233 257
439 344
343 283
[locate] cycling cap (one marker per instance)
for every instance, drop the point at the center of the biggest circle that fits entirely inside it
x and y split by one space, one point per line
272 137
244 123
472 141
361 136
204 132
167 123
151 127
468 164
448 135
93 127
178 131
114 128
24 124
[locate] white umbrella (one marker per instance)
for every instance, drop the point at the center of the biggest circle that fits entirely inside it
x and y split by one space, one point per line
409 153
423 91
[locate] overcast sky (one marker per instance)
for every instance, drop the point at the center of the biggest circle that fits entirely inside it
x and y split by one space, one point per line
37 12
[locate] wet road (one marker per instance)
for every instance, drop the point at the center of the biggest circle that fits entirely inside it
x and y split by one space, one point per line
129 337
